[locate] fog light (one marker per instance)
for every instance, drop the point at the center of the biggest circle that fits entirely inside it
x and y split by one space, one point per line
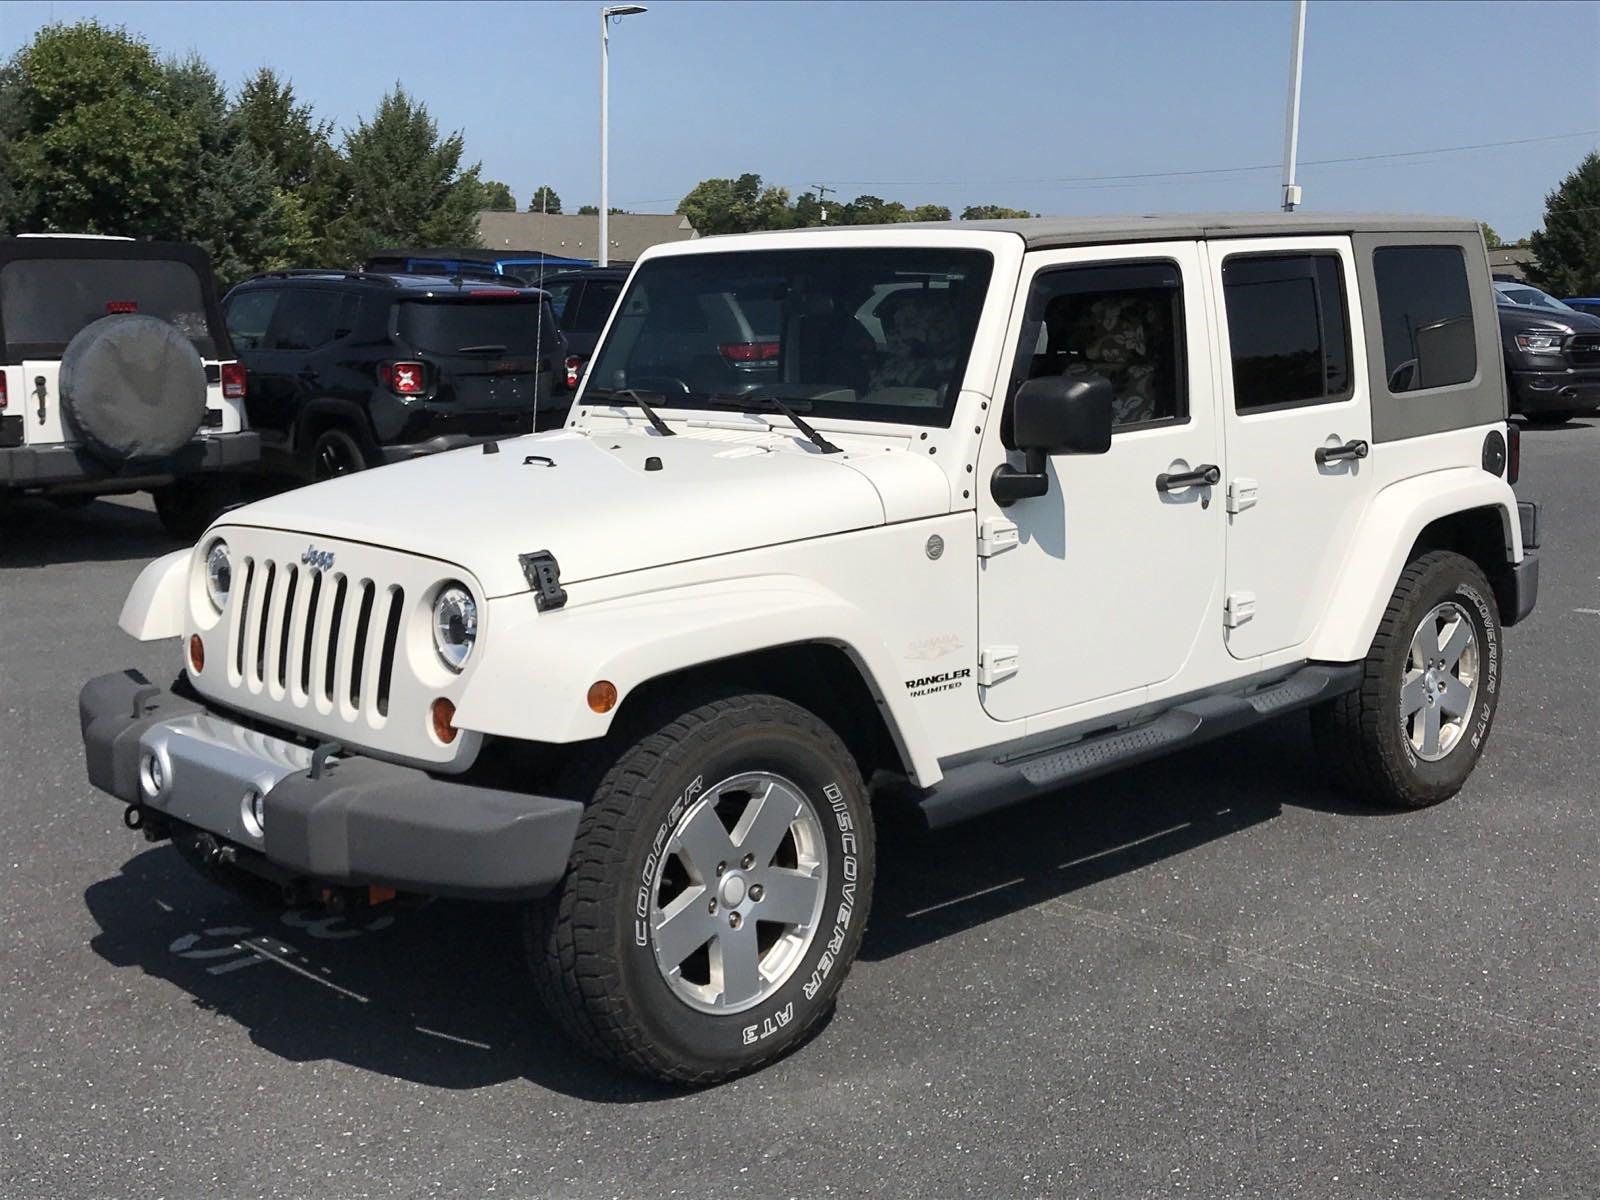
152 777
443 713
197 653
253 813
602 696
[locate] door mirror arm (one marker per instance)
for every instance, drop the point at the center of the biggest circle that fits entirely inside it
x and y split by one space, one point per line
1008 485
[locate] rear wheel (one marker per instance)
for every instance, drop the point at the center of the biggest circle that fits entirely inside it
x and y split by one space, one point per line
187 506
1411 734
1555 417
717 894
336 450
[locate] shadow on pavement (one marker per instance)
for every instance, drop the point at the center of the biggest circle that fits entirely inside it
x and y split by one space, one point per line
440 995
39 533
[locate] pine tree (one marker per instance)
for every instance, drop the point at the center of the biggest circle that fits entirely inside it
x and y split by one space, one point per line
1566 252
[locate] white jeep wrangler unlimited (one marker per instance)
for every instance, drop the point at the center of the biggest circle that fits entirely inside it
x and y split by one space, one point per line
976 511
116 375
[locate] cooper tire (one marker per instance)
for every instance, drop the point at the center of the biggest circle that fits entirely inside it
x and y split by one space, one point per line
1385 749
132 387
595 945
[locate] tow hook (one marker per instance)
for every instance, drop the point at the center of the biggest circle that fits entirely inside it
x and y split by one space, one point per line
139 818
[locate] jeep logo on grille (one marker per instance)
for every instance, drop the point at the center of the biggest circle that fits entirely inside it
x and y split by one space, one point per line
321 560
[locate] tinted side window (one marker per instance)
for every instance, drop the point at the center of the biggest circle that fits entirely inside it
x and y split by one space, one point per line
561 302
599 298
1426 311
1123 322
306 318
249 314
1288 330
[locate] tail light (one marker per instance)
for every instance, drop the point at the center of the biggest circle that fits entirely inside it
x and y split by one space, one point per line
1513 451
2 390
574 374
403 378
113 307
750 352
233 385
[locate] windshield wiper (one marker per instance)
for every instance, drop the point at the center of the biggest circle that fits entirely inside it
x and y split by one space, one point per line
753 400
650 414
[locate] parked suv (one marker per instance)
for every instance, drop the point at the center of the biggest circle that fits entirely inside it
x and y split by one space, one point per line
116 375
583 301
352 370
1087 492
1552 354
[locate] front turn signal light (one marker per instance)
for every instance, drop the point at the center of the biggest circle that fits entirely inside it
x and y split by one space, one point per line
602 696
443 714
197 654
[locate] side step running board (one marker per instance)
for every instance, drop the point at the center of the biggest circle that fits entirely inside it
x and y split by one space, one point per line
975 788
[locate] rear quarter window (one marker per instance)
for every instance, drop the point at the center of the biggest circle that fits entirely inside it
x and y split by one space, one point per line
44 302
1425 308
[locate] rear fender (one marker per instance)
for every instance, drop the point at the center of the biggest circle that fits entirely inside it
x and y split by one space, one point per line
1382 546
535 674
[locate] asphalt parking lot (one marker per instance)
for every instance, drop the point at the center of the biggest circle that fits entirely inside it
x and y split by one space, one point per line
1210 976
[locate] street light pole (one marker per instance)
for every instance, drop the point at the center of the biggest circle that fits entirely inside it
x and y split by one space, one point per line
1291 131
607 15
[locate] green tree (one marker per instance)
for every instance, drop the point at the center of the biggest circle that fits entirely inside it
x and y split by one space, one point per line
593 210
545 200
1566 252
739 205
307 171
870 210
929 212
406 184
1491 239
227 198
993 212
92 141
497 196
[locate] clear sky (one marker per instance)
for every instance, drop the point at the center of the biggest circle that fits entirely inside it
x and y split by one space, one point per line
1031 105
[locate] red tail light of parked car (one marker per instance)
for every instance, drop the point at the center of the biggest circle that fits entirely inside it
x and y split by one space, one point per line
233 381
750 352
403 378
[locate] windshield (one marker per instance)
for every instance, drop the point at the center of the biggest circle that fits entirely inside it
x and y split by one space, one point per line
869 334
486 326
45 301
1531 297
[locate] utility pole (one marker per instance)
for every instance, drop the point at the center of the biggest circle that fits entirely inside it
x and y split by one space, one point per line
607 15
822 191
1291 132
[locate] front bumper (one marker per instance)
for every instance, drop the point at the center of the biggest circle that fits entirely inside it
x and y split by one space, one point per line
345 821
44 466
1564 389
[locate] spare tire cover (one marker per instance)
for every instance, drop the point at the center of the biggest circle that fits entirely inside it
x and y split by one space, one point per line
133 386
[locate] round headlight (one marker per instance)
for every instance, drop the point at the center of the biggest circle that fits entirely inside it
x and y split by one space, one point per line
455 625
219 574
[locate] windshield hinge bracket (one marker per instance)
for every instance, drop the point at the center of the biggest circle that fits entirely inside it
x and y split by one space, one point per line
544 577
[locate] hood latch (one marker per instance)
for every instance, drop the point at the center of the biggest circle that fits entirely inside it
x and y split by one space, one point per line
544 577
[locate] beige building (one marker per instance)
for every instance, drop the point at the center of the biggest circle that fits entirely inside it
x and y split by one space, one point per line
1510 263
572 236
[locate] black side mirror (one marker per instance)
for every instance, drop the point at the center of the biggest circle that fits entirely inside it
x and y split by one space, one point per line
1053 415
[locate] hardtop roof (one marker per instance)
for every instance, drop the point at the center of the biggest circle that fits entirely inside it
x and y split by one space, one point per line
1046 233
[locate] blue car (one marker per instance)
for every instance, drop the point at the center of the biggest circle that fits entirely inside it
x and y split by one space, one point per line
521 266
1585 304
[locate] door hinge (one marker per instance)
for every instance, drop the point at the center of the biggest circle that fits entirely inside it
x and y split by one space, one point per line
996 663
995 536
1238 608
1242 494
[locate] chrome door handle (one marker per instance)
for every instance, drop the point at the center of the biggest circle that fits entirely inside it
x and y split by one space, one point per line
1350 450
1202 476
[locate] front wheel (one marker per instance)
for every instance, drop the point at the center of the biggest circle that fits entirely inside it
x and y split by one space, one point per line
717 893
1411 734
336 451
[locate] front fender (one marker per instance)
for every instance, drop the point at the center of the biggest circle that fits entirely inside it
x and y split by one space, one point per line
534 678
154 608
1397 515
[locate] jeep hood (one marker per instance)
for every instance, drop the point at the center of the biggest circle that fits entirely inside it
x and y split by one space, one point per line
608 502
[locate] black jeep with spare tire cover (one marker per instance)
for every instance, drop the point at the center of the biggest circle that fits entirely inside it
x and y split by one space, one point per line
116 375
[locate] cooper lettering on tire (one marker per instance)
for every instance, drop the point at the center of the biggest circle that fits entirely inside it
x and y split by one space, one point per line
733 843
